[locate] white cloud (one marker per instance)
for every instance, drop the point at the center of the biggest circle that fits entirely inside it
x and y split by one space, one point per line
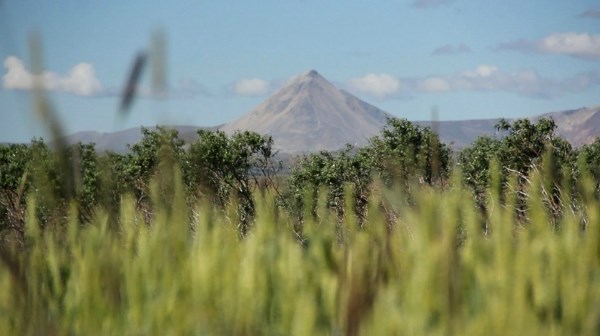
251 87
80 80
433 84
581 45
482 71
484 78
487 78
378 85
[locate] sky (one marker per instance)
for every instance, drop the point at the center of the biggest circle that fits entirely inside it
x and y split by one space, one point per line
467 59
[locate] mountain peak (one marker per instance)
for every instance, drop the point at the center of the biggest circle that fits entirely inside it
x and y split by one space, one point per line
312 73
310 76
311 114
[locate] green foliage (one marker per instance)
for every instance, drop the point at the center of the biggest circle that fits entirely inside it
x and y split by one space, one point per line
475 161
132 172
520 149
144 157
13 184
589 156
87 178
402 155
524 147
13 160
410 279
526 143
331 173
407 152
224 165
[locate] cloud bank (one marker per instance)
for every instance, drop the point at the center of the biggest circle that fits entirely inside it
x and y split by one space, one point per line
580 45
251 87
484 78
81 79
377 85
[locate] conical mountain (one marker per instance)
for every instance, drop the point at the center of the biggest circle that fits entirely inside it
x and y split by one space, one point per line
311 114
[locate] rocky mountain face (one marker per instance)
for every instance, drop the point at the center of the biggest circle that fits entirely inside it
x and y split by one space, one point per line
310 114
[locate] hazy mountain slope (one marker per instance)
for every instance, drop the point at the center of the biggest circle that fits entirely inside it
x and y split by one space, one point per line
118 141
461 133
579 126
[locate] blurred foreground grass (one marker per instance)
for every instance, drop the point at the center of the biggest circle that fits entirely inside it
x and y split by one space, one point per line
427 270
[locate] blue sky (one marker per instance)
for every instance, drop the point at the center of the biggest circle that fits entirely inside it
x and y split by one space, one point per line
470 59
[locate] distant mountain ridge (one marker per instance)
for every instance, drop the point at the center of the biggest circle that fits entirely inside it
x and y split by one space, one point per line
580 126
119 141
311 114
